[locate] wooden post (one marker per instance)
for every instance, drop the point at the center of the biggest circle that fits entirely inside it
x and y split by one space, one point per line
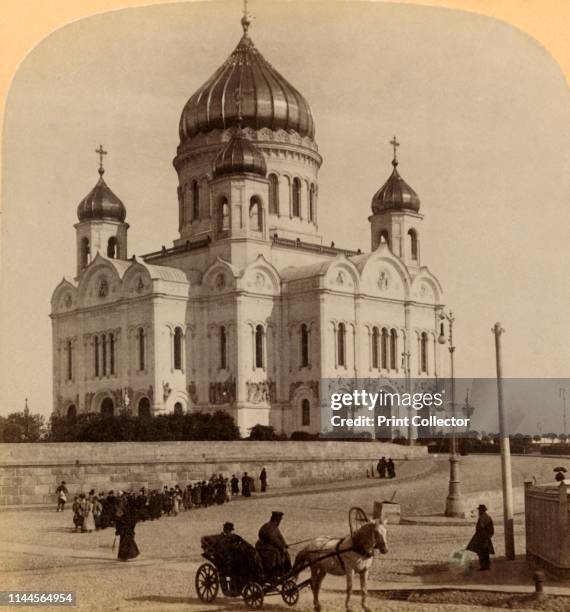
505 454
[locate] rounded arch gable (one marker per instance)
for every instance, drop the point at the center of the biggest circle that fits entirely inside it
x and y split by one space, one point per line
426 288
385 276
342 275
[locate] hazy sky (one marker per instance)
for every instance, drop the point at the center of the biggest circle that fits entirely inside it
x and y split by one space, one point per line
481 110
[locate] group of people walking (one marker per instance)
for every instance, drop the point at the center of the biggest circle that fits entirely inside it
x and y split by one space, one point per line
386 469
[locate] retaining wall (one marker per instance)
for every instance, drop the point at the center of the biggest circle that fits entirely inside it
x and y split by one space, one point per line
29 473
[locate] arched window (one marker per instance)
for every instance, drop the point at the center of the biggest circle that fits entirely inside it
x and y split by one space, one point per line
259 333
178 410
195 200
96 354
413 241
112 247
255 215
71 412
85 252
375 347
273 194
140 340
107 407
296 197
305 413
385 237
104 355
144 408
69 351
223 348
393 348
424 353
312 203
384 348
224 216
341 342
177 348
111 353
304 346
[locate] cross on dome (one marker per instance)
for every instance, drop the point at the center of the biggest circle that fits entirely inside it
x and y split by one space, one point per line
395 144
101 152
246 19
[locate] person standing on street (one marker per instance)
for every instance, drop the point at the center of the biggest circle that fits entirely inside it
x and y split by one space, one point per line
263 479
62 494
481 542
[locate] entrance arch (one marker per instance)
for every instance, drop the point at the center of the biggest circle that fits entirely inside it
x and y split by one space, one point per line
178 409
71 411
144 408
107 407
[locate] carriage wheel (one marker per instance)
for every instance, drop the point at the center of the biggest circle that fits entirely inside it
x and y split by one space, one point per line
207 582
253 595
290 592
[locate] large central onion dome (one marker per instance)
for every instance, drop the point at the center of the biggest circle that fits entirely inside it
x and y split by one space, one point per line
267 100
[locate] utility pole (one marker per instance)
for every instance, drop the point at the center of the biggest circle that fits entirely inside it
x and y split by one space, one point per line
505 453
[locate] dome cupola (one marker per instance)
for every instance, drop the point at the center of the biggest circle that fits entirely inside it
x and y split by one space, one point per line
269 100
101 203
395 194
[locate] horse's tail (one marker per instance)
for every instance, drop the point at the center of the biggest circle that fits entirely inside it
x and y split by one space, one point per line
302 561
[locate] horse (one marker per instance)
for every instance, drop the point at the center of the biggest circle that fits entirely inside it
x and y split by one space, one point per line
346 555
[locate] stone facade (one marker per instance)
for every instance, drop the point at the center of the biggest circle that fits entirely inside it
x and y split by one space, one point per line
249 309
30 473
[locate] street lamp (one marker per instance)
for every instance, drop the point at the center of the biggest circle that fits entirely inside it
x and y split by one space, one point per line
453 504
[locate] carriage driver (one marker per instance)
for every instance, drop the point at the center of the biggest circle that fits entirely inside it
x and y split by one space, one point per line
272 547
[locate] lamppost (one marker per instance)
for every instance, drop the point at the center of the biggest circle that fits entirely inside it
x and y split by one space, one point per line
453 504
562 393
406 367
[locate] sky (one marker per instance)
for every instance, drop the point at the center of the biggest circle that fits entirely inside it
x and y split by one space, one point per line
481 111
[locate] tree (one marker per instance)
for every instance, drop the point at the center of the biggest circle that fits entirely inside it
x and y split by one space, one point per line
22 427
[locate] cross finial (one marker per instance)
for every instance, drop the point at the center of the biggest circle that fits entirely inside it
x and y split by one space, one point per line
394 142
246 19
101 152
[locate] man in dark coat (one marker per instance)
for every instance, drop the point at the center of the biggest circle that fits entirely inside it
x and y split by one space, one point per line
391 468
263 479
272 547
246 485
481 542
125 521
235 485
381 467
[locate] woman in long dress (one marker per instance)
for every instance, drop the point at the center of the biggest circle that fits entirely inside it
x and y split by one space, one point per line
125 522
88 518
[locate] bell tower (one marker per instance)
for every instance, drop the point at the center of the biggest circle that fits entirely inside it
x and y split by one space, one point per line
395 217
101 227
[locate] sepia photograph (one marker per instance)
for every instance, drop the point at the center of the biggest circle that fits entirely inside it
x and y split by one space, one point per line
285 317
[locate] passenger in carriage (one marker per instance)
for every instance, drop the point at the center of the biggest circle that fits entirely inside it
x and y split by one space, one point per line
272 547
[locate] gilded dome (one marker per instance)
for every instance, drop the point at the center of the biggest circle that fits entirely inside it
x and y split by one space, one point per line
248 80
237 156
101 203
395 194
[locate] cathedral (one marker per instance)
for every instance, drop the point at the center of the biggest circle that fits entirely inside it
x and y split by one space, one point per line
251 307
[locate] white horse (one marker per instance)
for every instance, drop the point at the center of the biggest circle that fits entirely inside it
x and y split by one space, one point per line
347 555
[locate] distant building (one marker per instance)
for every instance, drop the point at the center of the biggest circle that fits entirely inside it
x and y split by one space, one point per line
251 306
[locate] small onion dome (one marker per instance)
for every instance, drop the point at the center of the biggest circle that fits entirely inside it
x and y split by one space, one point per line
395 194
238 156
101 203
268 100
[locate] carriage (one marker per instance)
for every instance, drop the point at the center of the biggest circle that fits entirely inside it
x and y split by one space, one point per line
234 567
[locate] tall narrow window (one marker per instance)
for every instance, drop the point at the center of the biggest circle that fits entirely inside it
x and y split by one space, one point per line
85 252
224 216
296 197
111 353
273 195
375 347
385 237
255 215
424 353
223 348
393 348
96 354
112 247
259 346
384 348
178 348
305 413
304 346
195 200
69 350
140 339
341 341
312 203
104 355
413 240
